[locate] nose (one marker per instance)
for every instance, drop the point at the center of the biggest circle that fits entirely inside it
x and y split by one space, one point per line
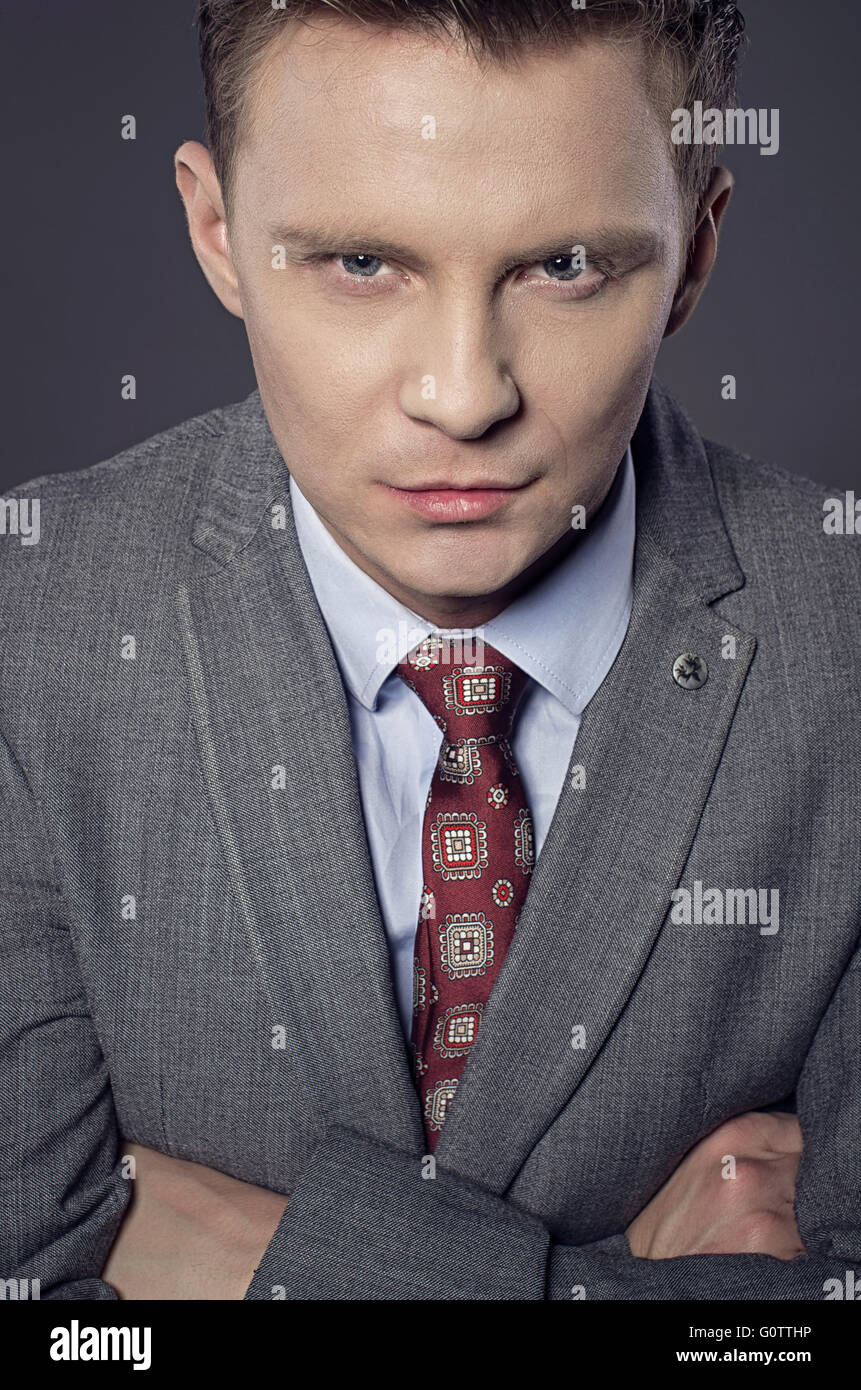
458 379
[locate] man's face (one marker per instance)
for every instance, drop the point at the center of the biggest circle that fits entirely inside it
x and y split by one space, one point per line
437 343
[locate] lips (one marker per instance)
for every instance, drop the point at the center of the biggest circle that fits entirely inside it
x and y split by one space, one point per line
459 502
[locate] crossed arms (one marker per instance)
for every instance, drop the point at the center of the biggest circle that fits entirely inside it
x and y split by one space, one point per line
191 1232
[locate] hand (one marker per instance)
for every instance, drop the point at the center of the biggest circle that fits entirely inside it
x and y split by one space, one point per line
699 1212
189 1232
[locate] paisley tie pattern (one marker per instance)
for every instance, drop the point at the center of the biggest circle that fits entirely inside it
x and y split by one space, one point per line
477 855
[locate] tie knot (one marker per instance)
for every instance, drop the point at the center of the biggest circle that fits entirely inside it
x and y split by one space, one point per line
470 688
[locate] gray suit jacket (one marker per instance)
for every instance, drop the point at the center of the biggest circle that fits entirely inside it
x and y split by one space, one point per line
195 961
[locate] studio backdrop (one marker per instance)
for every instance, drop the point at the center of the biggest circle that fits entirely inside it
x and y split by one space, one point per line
100 281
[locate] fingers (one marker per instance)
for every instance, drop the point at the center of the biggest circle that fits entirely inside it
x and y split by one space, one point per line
760 1133
779 1131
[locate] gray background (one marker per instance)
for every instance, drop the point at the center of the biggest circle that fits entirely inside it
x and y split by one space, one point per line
99 278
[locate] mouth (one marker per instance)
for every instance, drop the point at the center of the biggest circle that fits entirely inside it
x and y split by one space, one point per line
458 501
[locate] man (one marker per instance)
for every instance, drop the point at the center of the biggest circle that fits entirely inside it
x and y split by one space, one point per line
403 968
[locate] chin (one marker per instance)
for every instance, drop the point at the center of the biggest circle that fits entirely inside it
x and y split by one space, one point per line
450 582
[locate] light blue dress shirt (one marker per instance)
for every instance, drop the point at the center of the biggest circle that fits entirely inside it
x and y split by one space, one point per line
564 632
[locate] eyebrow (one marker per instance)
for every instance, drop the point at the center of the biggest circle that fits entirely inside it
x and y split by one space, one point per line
618 246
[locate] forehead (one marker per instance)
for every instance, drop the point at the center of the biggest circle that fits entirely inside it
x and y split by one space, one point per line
385 120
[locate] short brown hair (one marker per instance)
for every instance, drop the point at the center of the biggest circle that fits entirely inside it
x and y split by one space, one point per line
698 39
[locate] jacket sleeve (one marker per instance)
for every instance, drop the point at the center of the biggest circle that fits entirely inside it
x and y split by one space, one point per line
362 1223
62 1197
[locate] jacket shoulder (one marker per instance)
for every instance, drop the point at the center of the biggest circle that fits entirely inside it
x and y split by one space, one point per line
123 523
148 469
780 522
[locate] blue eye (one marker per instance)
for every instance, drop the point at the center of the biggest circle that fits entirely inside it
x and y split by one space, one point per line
370 264
558 263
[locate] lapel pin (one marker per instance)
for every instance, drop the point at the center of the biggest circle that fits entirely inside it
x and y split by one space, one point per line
690 671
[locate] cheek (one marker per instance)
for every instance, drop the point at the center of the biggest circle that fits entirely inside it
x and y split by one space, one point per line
322 395
607 364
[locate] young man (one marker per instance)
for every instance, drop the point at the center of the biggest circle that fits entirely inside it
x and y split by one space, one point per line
405 967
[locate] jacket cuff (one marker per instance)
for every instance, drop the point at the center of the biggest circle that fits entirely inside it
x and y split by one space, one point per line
362 1223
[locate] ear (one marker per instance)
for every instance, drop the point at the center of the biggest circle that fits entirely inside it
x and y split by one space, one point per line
207 224
703 249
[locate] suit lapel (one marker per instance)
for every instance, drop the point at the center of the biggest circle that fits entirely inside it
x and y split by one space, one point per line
267 695
615 849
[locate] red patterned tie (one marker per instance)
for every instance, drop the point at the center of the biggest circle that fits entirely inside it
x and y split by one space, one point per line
477 854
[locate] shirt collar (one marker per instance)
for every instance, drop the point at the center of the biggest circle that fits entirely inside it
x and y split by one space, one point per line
564 632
